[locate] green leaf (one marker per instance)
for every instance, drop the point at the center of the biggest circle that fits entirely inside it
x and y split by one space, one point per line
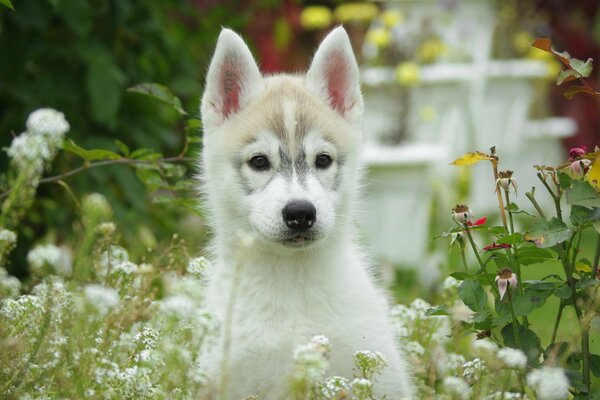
573 90
473 295
565 180
540 286
7 4
89 155
580 215
439 310
548 233
461 276
530 342
583 68
159 92
567 75
193 124
585 282
513 239
104 82
583 194
595 365
524 304
122 147
533 255
563 292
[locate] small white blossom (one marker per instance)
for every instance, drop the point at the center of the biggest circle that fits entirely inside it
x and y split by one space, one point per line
7 237
361 388
335 387
112 259
10 286
47 121
457 387
30 151
102 298
450 283
58 259
413 347
473 370
549 383
198 267
484 346
513 358
147 338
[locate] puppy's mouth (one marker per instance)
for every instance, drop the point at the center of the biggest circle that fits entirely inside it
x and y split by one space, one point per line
298 240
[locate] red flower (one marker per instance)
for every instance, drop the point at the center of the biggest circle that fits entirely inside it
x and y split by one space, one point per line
480 221
496 246
577 152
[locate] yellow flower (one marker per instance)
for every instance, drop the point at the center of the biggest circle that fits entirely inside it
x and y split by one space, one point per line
521 42
380 37
392 18
553 68
355 12
316 17
430 50
408 73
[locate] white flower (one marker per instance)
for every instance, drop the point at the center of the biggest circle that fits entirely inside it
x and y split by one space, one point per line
504 278
485 345
8 238
47 121
473 370
96 206
30 151
413 347
457 387
450 283
198 267
48 255
112 258
321 343
549 383
106 228
361 388
310 363
147 338
9 285
335 386
513 358
102 298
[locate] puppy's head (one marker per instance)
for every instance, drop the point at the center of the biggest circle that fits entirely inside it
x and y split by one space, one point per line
280 152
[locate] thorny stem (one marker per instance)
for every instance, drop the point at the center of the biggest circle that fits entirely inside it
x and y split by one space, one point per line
120 161
531 197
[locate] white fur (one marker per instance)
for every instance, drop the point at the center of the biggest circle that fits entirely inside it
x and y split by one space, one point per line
284 295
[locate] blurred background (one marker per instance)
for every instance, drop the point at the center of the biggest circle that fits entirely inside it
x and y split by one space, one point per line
440 77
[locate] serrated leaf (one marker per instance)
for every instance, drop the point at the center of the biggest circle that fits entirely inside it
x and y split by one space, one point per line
524 304
159 92
567 75
565 180
583 194
7 4
470 158
575 89
548 233
533 255
122 147
585 282
89 155
546 45
513 239
563 292
473 295
580 215
583 68
530 342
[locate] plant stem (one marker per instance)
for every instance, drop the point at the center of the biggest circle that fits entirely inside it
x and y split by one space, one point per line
514 318
494 161
531 197
120 161
596 258
510 215
464 259
557 322
474 246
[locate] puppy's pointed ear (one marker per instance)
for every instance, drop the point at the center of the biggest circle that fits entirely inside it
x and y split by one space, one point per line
333 75
233 78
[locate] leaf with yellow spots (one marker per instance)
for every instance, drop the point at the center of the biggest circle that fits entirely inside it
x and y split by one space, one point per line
471 158
593 175
581 266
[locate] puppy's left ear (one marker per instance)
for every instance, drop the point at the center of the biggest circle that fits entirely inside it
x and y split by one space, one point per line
333 75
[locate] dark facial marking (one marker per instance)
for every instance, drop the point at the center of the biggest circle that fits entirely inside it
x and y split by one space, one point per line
301 166
285 164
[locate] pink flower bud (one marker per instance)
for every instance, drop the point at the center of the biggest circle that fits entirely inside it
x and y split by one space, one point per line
576 152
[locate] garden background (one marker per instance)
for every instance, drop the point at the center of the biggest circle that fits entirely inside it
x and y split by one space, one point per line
93 62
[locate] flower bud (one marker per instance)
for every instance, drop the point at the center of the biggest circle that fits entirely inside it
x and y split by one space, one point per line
580 167
462 213
504 278
506 180
577 152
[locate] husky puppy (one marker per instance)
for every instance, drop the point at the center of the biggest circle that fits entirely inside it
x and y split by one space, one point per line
280 162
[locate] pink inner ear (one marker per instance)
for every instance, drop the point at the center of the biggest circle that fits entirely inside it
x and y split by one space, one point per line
336 75
230 88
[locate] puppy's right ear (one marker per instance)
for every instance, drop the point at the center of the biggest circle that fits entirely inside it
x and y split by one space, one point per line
233 79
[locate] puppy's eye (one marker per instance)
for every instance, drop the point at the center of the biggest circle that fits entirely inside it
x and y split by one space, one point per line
323 161
259 163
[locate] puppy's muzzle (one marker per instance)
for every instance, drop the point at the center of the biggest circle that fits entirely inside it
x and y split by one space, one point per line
299 215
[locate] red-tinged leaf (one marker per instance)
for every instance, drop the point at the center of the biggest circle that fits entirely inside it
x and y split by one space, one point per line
573 90
480 221
546 45
567 75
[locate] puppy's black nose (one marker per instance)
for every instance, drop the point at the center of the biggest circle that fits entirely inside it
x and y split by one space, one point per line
299 215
